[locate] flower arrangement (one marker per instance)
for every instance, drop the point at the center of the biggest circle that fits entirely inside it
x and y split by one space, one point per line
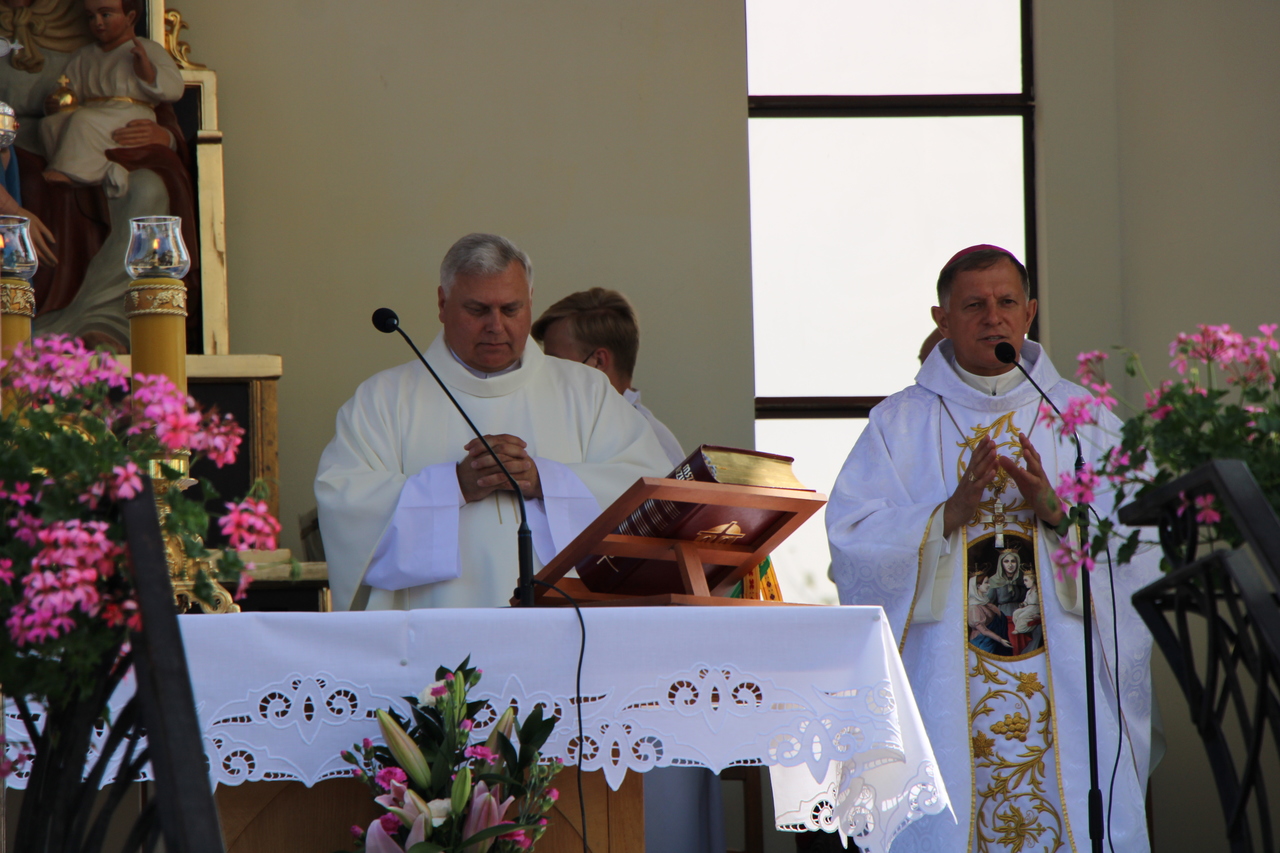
76 442
1224 405
445 794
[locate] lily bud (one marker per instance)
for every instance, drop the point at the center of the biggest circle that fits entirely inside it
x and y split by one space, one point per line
406 752
506 725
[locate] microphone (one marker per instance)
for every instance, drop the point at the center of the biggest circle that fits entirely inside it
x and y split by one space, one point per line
387 321
1008 355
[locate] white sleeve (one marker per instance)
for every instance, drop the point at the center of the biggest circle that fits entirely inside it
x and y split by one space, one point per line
420 545
566 508
937 567
169 85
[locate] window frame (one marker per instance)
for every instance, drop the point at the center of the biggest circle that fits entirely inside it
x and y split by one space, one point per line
1020 104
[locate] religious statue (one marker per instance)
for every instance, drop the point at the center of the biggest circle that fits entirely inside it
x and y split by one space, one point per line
117 81
112 152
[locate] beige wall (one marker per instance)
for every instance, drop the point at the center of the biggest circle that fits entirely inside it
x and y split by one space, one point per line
1159 203
607 139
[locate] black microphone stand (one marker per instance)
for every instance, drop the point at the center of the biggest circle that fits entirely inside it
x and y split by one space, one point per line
1007 354
385 320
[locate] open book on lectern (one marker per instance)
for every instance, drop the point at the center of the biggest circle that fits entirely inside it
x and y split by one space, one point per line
695 533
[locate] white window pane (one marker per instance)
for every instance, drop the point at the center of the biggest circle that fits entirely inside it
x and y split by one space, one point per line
851 220
873 47
819 446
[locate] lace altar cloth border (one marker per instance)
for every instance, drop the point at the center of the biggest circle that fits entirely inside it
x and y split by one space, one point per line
818 694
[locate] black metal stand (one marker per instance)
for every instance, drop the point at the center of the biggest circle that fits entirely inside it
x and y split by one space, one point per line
1097 829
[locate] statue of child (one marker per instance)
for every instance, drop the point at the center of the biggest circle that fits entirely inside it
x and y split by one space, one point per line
117 83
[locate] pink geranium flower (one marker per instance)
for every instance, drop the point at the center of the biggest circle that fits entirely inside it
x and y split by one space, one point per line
1070 559
249 525
1078 487
1205 512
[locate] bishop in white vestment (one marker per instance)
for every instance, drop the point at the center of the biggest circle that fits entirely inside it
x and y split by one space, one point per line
406 522
929 519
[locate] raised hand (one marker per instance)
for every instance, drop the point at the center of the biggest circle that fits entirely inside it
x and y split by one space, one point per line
1034 483
963 503
142 64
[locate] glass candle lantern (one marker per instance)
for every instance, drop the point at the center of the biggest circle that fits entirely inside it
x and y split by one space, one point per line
156 249
15 242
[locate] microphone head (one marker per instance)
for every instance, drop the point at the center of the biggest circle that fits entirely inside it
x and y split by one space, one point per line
1004 350
385 320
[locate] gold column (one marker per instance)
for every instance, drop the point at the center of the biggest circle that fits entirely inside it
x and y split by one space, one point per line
157 312
17 308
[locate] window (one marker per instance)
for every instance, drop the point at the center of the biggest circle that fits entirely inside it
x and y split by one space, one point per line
883 138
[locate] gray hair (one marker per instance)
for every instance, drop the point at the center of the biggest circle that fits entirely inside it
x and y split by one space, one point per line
481 254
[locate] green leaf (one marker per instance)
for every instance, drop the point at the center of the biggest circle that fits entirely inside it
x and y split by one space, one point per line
425 847
1129 548
494 831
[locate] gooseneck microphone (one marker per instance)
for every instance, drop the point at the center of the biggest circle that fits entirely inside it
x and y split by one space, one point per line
387 321
1008 355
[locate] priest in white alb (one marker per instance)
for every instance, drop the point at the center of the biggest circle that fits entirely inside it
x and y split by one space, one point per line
413 510
943 509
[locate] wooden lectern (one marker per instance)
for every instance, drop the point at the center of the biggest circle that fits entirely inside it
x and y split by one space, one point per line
691 571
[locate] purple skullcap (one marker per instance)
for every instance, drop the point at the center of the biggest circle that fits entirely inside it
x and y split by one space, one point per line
978 248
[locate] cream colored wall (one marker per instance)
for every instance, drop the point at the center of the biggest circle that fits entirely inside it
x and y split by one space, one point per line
1159 205
608 140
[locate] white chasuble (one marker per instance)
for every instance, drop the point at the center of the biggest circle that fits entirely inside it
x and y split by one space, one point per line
991 639
396 528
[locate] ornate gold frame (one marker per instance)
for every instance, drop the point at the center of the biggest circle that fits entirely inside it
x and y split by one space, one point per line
165 26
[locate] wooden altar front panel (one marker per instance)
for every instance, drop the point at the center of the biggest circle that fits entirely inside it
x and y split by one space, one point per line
266 817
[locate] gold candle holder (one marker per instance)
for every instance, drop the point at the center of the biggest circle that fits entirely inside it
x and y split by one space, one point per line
157 312
156 305
17 308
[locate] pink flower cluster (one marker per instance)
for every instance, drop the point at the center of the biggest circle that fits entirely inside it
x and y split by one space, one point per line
1078 487
179 425
249 525
1248 360
1206 510
124 482
1079 412
1154 401
59 366
56 366
1089 371
64 577
1070 559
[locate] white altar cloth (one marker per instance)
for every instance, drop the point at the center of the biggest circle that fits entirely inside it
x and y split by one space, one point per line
280 694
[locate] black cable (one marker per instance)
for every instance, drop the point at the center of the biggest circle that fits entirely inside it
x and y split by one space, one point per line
577 699
1120 728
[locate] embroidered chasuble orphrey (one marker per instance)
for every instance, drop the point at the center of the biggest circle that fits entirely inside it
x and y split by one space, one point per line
1017 803
992 640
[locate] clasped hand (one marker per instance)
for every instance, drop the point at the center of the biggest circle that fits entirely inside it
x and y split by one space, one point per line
984 464
479 475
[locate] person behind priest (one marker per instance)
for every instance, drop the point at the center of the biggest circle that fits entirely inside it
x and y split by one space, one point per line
413 510
912 524
684 806
599 328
